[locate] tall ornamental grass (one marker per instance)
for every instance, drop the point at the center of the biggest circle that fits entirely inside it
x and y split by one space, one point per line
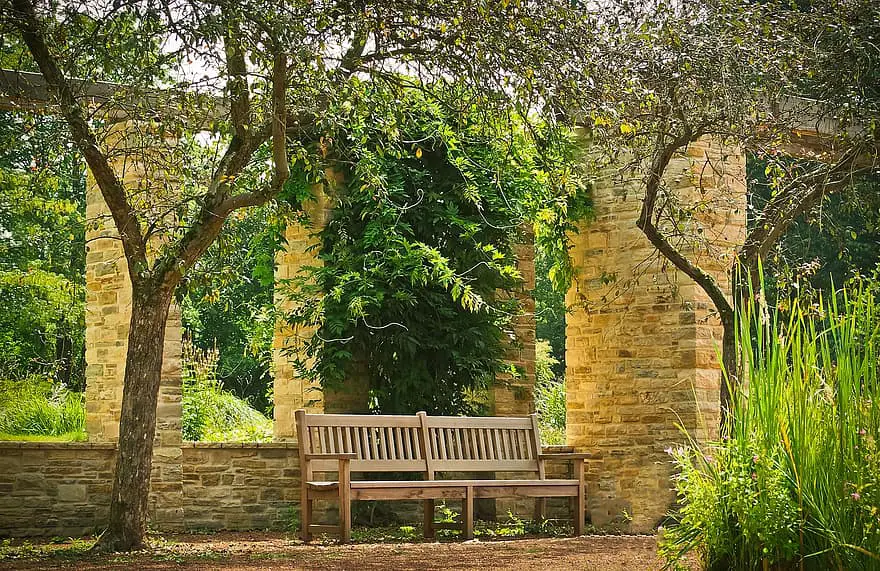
36 408
797 483
211 413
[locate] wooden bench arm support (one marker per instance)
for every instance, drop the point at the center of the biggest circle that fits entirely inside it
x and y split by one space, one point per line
580 503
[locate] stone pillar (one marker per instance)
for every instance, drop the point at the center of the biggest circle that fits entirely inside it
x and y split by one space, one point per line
641 342
108 309
291 390
514 396
108 313
166 483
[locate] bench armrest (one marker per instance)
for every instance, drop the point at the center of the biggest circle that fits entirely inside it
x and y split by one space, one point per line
332 456
568 456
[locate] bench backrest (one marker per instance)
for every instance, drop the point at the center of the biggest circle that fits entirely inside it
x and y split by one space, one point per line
483 444
421 443
382 443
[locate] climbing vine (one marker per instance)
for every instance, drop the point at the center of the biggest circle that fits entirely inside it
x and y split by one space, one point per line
415 289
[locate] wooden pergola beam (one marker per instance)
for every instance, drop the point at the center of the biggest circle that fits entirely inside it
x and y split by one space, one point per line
29 91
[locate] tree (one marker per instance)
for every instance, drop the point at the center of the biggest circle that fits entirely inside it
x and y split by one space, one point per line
279 65
655 77
827 246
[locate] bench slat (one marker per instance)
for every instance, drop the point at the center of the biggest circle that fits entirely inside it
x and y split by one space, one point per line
484 466
371 465
527 491
361 420
479 422
401 493
358 484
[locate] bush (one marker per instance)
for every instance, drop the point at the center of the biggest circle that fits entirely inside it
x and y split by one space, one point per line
38 407
797 483
549 396
211 413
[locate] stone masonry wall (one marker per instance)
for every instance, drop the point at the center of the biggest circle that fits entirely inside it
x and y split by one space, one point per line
640 347
515 397
49 489
55 488
291 390
240 486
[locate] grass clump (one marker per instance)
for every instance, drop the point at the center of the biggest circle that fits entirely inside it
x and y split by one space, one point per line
796 485
212 414
38 409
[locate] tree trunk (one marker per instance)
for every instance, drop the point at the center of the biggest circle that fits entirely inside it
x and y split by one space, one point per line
63 355
137 425
730 373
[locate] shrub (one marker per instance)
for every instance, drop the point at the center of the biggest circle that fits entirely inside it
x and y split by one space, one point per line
549 396
211 413
797 483
38 407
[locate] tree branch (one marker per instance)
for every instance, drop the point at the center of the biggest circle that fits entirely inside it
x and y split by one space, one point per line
239 93
647 225
799 197
279 121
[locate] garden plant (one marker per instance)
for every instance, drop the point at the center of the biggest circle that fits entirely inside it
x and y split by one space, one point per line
795 483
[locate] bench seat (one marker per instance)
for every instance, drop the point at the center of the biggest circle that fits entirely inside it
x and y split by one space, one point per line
375 444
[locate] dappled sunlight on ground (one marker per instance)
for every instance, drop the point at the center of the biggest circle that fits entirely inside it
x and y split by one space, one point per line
264 550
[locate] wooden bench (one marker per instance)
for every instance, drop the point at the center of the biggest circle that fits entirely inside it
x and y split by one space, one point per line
429 446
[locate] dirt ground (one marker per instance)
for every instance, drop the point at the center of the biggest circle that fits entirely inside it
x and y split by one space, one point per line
253 551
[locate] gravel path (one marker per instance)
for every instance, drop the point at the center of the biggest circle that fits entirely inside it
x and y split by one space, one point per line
253 551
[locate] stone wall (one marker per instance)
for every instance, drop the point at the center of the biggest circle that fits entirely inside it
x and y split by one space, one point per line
49 489
240 486
514 396
55 488
291 390
640 347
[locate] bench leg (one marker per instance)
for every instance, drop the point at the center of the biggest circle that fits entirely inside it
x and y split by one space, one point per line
467 512
540 509
580 512
306 517
344 501
429 518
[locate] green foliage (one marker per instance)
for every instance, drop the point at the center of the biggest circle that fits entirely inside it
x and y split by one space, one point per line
549 396
550 310
798 480
42 252
211 413
832 243
418 249
37 407
227 305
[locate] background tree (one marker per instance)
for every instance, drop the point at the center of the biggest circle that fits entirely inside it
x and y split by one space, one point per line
227 303
279 66
42 254
825 247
